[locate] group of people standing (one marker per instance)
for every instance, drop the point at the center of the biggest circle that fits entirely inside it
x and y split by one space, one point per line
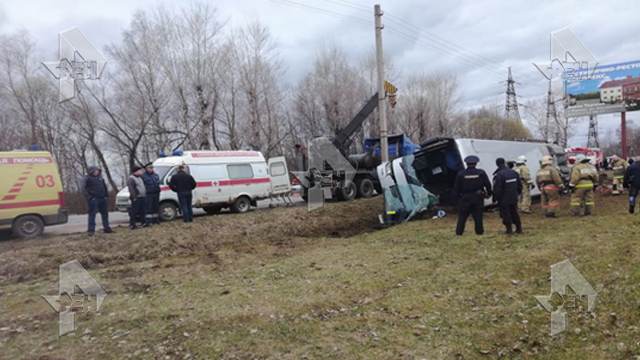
512 185
144 193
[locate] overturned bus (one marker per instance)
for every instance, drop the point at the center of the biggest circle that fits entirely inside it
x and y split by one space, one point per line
435 165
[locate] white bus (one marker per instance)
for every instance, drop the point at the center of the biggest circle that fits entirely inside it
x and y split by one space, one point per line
225 179
439 160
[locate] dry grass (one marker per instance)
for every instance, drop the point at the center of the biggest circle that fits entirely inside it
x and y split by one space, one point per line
284 290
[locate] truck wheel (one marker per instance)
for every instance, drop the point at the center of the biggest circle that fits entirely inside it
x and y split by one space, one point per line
241 205
212 210
365 188
168 211
28 226
347 192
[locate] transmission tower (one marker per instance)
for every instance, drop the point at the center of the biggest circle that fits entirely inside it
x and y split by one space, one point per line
511 105
552 116
592 140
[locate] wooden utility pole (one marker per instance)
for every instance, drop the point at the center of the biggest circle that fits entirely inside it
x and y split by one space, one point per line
384 145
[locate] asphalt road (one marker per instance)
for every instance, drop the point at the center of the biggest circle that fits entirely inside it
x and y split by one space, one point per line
78 223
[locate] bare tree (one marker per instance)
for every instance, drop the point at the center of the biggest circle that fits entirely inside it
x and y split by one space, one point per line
260 74
329 96
190 47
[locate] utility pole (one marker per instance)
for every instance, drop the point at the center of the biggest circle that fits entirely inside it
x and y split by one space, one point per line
511 104
551 115
382 109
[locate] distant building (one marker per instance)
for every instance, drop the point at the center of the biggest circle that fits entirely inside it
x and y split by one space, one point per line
614 91
631 90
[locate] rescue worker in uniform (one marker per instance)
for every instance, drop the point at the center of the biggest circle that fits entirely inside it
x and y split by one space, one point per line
584 177
524 203
550 183
632 182
619 167
472 185
507 187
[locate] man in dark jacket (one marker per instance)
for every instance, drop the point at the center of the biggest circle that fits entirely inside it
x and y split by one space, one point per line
152 185
137 195
95 191
183 184
472 185
507 188
632 182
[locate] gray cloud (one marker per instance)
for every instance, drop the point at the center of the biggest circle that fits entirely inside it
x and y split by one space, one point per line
481 38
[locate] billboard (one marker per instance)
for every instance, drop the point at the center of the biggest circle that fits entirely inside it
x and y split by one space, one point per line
602 89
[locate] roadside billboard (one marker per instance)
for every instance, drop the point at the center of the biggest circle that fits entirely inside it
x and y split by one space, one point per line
603 89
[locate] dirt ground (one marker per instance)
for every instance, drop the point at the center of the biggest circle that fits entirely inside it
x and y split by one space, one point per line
22 260
329 284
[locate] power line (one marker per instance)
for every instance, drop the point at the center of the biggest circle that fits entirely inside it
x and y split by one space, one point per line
322 10
406 30
438 46
443 43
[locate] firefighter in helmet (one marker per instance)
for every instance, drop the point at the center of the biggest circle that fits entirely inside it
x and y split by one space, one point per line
550 183
619 167
584 178
524 202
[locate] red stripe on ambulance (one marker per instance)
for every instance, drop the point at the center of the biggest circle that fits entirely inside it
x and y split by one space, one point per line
27 204
203 184
244 181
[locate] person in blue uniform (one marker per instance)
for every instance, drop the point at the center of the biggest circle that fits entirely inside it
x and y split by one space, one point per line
507 188
472 185
632 182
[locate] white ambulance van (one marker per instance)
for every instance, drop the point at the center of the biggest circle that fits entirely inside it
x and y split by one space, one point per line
225 179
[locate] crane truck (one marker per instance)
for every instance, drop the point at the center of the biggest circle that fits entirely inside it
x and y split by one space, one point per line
344 182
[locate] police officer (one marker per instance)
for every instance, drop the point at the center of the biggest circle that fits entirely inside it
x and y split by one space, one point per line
152 201
549 182
472 185
632 182
584 177
507 187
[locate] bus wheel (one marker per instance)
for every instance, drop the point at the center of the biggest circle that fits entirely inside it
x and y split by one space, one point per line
212 210
28 226
168 211
241 205
365 188
347 192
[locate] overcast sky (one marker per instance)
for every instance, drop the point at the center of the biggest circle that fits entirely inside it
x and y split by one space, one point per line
473 40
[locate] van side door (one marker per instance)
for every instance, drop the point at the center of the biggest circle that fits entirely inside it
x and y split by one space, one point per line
279 174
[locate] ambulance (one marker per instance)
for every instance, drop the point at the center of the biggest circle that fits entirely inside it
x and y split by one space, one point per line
224 179
31 194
